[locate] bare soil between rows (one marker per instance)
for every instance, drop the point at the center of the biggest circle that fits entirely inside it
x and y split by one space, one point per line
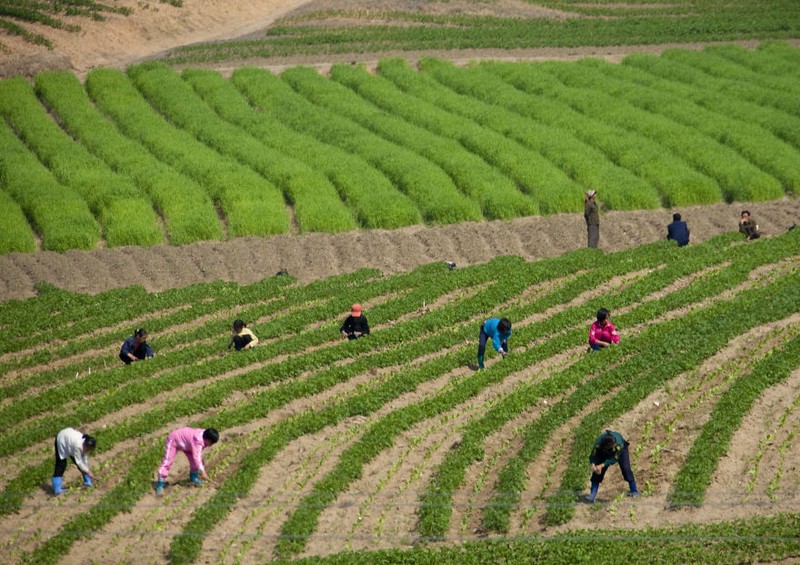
315 256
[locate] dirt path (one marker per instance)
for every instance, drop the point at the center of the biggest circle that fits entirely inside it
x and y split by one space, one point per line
314 256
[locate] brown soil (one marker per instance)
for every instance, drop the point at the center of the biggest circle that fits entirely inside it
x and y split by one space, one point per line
313 256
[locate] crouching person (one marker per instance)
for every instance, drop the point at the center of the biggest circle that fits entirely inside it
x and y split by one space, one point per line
191 441
77 446
610 448
242 337
136 348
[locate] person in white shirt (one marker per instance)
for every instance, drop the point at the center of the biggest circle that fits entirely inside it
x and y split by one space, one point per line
77 446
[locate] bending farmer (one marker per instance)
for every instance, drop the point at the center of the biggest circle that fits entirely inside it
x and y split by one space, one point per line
191 441
356 324
136 348
242 337
610 448
499 330
75 445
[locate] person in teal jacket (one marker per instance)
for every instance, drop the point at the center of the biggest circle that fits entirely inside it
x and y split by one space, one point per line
499 330
610 448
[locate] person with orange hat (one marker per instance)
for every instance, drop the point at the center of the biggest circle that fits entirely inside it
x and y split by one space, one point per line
355 325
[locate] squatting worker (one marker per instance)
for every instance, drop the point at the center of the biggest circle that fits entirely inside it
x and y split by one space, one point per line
602 333
591 214
136 348
77 446
610 448
192 442
356 324
678 231
499 330
748 225
242 337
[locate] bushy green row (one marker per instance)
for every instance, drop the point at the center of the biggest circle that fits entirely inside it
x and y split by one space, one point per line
125 213
247 202
373 199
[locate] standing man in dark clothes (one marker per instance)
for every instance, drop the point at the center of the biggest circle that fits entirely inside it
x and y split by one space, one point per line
355 325
591 214
748 226
678 230
610 448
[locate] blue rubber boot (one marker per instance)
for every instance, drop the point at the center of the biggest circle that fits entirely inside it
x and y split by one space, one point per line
160 485
195 480
480 361
592 493
87 481
634 490
57 482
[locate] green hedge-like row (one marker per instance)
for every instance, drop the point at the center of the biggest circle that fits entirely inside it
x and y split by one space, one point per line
431 190
374 200
247 202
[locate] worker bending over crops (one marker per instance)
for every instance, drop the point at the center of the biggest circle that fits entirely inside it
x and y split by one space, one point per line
356 324
499 330
242 337
75 445
136 348
602 333
190 441
610 448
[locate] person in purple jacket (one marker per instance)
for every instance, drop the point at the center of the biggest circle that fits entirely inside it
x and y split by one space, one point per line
191 441
499 330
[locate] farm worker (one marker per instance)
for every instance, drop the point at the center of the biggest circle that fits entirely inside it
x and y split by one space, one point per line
242 337
678 231
191 441
356 324
609 448
602 333
592 216
499 330
75 445
136 348
748 226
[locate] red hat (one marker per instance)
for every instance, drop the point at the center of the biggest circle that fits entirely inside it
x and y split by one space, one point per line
355 310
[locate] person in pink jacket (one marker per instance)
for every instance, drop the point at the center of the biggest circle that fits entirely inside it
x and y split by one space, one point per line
191 441
602 333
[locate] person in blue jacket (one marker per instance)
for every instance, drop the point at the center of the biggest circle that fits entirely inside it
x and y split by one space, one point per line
499 330
678 231
610 448
136 348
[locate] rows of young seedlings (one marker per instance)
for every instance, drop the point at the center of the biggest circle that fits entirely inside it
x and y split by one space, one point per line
368 29
152 156
302 362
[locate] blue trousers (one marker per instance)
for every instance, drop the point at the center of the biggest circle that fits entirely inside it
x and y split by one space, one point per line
624 461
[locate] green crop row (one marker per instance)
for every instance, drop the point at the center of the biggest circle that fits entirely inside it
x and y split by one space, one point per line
246 202
60 216
126 216
553 131
373 30
496 192
431 190
17 234
181 202
374 200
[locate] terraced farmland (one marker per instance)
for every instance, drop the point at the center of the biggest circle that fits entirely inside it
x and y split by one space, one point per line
393 441
153 156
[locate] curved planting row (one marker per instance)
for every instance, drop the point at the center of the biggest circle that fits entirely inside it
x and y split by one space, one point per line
159 156
402 418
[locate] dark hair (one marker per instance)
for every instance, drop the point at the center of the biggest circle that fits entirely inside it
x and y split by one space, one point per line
602 314
504 325
745 212
676 217
89 441
238 325
607 444
211 435
140 333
